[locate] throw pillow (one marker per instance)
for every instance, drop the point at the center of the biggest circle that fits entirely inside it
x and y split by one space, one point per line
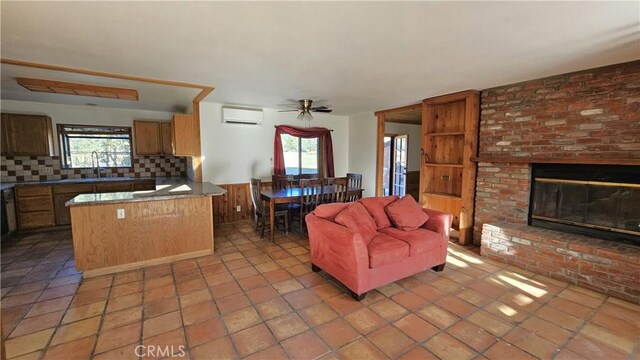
375 206
406 214
357 219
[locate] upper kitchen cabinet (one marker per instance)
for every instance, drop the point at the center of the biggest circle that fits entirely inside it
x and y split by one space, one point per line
183 135
165 135
147 138
29 135
152 138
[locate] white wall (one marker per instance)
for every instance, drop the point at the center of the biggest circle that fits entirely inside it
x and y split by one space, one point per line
414 136
234 153
85 115
362 149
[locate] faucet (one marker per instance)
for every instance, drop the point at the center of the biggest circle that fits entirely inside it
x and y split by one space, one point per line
95 166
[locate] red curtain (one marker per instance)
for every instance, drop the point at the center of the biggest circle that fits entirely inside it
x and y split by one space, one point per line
306 133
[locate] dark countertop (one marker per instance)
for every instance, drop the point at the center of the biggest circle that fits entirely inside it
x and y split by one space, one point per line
158 180
163 192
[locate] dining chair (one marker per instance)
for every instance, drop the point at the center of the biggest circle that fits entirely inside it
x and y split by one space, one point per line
261 213
279 182
310 197
334 190
354 181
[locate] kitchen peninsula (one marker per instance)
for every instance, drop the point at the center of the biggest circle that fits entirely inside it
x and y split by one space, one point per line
120 231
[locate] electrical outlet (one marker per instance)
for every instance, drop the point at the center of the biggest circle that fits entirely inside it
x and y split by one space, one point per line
238 208
120 213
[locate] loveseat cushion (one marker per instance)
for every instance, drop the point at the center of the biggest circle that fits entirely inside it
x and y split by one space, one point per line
330 211
375 206
419 240
356 218
406 214
385 249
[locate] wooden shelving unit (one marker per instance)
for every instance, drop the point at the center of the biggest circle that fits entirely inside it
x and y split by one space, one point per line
449 141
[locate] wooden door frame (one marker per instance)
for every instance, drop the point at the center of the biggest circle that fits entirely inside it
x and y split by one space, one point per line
381 115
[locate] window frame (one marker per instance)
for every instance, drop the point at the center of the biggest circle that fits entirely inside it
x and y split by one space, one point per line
64 146
319 159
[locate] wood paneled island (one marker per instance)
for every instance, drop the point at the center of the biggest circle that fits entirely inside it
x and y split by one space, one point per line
115 232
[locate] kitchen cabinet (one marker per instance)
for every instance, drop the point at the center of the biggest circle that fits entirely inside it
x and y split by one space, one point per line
182 134
165 135
113 186
64 193
152 138
29 135
146 135
43 206
35 207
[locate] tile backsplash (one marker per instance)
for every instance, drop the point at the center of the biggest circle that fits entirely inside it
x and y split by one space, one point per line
38 168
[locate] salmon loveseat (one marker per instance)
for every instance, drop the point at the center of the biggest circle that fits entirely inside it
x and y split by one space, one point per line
363 247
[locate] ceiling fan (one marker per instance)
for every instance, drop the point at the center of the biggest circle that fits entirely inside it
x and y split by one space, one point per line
305 107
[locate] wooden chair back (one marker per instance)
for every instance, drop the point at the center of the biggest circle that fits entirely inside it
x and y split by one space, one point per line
255 195
311 195
354 181
335 190
279 182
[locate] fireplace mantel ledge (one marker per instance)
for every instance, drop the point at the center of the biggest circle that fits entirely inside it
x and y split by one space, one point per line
546 160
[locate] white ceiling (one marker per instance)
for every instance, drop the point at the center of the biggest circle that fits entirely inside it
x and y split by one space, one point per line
359 56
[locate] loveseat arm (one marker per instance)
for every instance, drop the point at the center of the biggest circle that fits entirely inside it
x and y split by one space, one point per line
338 251
439 222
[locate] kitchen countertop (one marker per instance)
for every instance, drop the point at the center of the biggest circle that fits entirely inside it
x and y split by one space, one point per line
176 189
158 180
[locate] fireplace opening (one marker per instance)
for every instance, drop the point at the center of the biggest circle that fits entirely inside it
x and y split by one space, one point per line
595 200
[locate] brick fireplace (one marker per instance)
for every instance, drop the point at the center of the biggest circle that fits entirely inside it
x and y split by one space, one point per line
589 117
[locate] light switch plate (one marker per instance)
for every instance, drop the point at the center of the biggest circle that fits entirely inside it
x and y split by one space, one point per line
238 208
120 213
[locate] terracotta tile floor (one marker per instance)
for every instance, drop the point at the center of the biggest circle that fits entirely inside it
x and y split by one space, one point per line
254 299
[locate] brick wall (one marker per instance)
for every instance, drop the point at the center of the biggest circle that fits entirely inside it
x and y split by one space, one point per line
587 114
605 266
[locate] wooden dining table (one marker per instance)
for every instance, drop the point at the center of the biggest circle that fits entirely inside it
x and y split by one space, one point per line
290 196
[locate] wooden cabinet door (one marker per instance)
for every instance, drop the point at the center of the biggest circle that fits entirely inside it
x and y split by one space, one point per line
103 187
35 207
165 130
182 134
4 140
147 137
63 213
29 135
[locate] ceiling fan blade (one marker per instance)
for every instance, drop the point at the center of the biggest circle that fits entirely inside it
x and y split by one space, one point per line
322 110
326 107
289 105
288 110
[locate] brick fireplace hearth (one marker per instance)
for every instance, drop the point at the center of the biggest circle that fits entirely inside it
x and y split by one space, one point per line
586 117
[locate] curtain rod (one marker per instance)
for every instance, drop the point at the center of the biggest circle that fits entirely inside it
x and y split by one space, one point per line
275 126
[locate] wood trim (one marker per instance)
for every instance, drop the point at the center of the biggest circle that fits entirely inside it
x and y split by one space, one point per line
380 155
451 97
104 74
196 159
470 168
70 88
141 264
203 94
537 160
399 109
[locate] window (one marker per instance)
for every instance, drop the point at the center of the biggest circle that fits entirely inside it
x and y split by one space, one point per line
300 155
80 143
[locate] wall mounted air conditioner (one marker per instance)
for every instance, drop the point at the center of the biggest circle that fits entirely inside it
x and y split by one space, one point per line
237 115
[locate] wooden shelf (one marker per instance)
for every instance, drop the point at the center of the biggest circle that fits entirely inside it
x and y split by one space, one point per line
534 160
443 195
445 165
446 133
